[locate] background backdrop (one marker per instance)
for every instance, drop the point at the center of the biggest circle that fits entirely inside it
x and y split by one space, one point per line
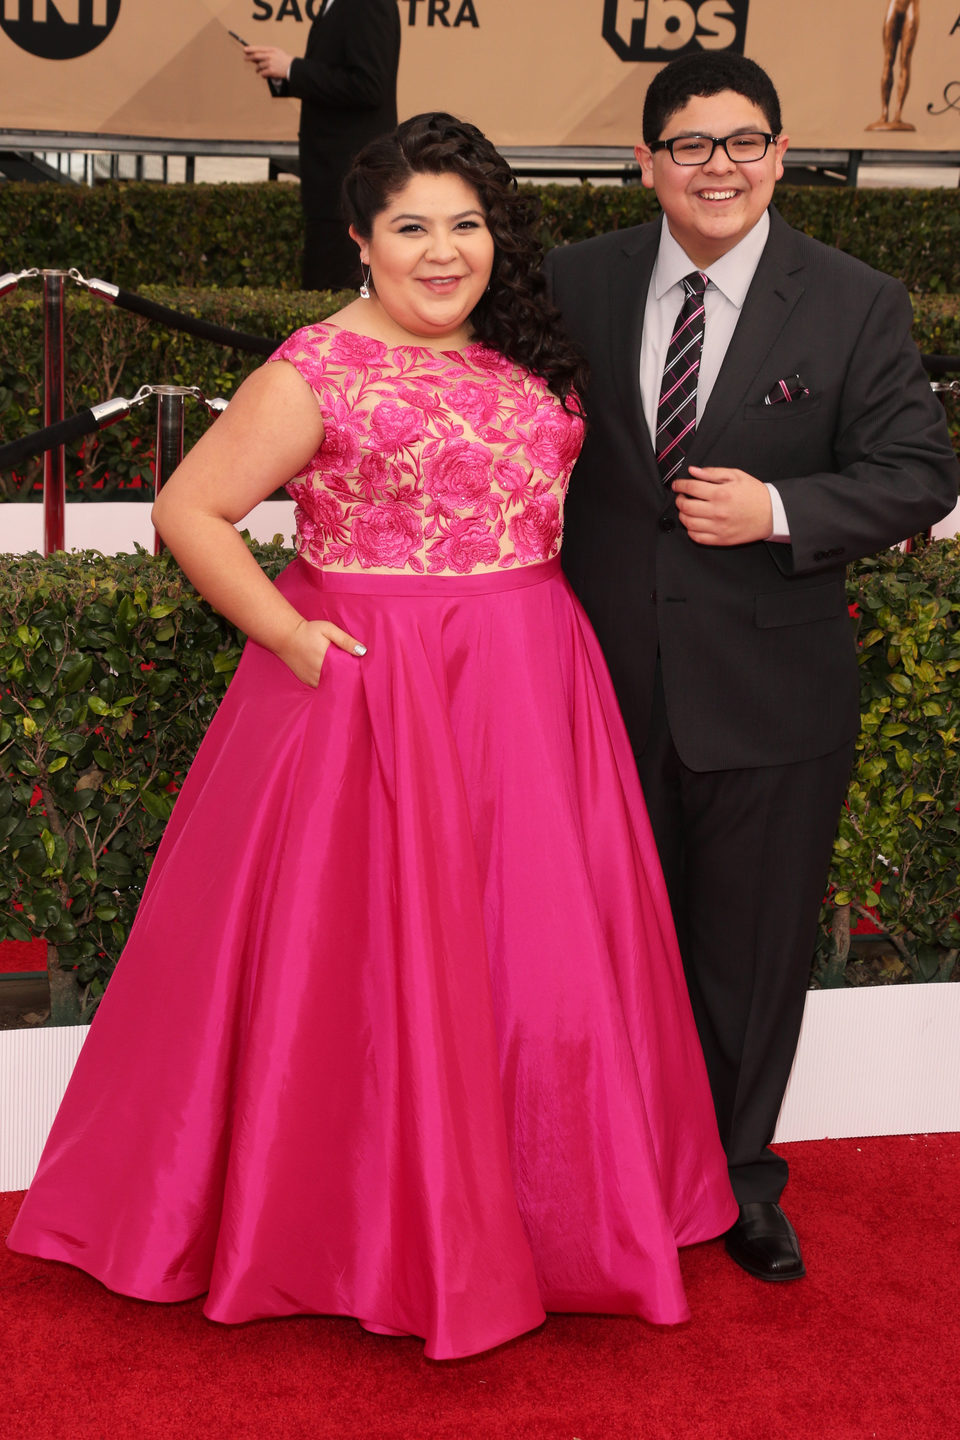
529 72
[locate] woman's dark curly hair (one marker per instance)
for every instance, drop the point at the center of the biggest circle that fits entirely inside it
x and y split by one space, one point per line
514 315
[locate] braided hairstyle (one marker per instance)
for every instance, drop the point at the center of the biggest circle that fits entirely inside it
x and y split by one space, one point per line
514 315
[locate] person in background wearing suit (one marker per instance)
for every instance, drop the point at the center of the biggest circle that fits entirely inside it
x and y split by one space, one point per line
347 83
758 416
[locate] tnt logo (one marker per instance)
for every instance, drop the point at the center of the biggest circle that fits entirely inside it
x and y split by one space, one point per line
58 29
664 29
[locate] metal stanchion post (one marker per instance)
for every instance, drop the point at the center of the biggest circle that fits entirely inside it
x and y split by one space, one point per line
54 462
170 407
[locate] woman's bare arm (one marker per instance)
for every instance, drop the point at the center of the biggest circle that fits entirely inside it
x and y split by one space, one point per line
269 431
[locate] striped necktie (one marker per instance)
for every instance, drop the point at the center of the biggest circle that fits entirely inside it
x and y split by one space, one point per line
677 407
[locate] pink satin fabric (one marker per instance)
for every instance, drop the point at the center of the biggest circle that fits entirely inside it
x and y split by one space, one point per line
401 1030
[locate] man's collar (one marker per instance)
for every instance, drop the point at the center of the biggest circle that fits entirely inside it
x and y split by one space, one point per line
731 274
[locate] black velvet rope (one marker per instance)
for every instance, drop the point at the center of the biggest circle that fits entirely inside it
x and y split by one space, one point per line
937 365
174 320
72 428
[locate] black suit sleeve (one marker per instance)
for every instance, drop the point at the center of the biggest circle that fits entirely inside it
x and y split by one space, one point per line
365 74
896 473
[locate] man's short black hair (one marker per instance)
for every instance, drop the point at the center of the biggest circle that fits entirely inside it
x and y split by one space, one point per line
707 73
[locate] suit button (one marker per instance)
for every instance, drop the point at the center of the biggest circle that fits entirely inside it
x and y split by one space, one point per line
667 523
653 596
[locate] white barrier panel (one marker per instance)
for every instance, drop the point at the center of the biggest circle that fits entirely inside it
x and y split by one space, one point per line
35 1066
949 525
112 526
880 1060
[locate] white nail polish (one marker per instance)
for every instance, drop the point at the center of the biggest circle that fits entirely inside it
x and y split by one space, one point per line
359 649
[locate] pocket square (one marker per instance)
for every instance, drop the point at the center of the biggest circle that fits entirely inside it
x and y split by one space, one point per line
792 388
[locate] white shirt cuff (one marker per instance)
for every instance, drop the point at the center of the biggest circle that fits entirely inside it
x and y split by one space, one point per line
781 525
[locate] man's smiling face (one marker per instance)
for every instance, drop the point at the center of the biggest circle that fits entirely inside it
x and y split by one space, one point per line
711 207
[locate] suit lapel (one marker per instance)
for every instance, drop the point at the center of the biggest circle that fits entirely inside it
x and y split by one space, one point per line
629 280
774 291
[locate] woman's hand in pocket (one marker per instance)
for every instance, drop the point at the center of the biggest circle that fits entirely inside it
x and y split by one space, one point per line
308 643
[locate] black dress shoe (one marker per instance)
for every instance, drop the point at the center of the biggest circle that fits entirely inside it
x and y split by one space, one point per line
764 1243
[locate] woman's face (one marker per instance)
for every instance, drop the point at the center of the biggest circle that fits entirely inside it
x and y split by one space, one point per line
430 256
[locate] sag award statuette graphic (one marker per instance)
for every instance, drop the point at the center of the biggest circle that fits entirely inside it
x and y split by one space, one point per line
58 29
900 25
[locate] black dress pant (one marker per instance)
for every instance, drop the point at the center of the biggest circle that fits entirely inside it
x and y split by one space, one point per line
745 854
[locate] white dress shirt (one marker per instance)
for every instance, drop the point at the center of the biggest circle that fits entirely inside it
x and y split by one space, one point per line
729 279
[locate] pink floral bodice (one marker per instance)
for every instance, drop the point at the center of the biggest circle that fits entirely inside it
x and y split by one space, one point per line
440 463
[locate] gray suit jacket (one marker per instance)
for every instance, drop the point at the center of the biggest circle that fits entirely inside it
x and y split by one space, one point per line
757 649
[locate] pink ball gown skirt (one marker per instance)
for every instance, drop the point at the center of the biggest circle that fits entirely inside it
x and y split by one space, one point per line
401 1030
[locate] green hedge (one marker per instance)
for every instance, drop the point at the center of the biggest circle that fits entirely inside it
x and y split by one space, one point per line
110 670
111 351
896 858
229 235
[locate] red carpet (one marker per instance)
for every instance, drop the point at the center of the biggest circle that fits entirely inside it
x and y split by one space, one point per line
866 1348
22 956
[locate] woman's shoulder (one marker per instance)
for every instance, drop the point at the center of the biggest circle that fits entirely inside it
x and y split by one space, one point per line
327 339
328 356
308 341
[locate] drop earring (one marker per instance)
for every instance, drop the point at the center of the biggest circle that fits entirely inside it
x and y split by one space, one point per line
364 281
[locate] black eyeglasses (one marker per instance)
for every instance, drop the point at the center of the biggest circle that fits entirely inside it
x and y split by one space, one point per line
742 149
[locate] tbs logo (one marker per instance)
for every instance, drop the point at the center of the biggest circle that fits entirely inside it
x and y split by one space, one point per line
58 29
664 29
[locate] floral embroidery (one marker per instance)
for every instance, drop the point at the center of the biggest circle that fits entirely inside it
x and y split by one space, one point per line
449 462
536 530
467 545
387 534
342 444
393 425
475 402
458 476
346 348
549 444
510 476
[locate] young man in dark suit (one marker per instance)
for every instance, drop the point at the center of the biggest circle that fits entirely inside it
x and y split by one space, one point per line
347 83
758 417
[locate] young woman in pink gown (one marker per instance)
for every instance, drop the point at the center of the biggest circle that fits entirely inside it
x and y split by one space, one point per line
401 1030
